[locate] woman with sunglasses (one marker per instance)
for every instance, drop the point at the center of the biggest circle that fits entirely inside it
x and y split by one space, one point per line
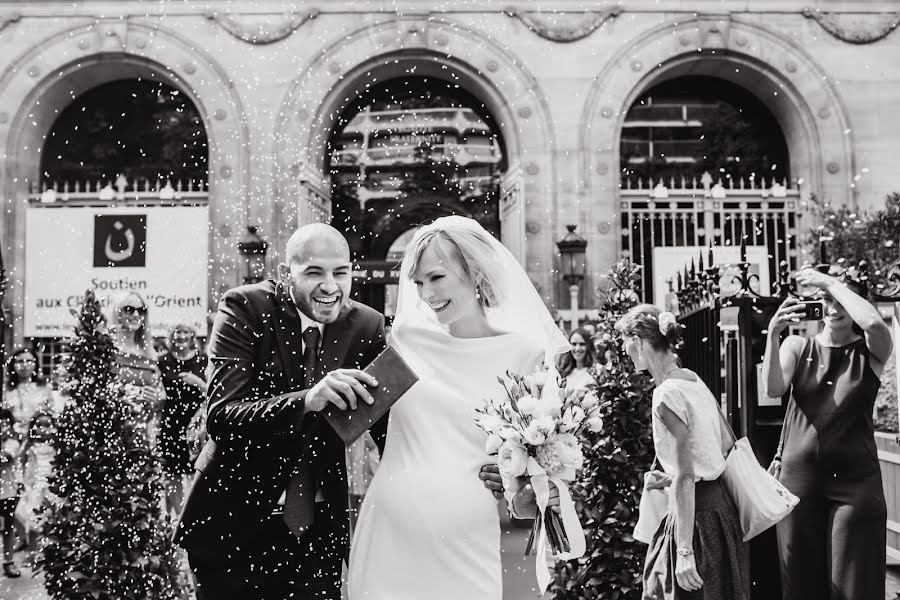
136 359
26 392
832 545
182 369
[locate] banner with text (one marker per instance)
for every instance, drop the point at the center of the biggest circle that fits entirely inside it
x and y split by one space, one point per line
668 261
158 252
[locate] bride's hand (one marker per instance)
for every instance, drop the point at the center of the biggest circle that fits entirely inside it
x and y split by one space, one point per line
525 501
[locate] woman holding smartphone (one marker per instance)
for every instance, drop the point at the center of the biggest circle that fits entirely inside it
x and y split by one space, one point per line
832 546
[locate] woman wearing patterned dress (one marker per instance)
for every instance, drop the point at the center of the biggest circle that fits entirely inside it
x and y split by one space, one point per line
182 369
832 545
697 552
36 456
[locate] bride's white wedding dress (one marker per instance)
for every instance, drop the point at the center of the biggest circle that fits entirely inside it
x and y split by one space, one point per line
428 527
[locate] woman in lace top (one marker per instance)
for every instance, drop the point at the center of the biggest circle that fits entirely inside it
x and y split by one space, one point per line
697 552
26 392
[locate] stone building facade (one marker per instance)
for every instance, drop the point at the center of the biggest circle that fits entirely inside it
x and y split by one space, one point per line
270 77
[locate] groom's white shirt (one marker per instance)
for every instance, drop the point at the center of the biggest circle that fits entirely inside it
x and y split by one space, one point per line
305 323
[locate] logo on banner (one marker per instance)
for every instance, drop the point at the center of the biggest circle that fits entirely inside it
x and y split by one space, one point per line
120 240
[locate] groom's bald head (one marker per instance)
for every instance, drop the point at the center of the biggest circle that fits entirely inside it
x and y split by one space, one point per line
317 270
316 239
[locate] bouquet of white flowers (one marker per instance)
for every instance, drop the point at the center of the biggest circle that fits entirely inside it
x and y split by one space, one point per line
535 431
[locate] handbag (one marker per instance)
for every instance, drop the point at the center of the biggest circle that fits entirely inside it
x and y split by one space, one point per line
761 500
652 510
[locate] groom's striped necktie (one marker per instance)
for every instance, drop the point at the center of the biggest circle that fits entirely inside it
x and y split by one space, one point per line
299 501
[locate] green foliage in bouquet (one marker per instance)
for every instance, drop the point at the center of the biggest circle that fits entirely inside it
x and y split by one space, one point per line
104 534
608 492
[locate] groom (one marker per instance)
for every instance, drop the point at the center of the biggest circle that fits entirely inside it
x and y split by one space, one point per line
266 517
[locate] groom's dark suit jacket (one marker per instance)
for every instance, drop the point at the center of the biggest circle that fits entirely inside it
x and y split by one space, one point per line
257 434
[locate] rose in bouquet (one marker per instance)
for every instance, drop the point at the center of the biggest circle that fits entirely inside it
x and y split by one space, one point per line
535 431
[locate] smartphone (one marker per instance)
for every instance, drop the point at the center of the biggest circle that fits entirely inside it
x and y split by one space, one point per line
814 310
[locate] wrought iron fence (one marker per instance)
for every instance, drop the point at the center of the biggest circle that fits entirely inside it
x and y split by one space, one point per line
700 305
703 213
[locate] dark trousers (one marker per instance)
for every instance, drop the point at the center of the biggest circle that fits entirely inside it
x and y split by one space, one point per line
274 564
832 545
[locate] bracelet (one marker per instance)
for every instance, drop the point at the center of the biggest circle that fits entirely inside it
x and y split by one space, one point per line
777 458
684 552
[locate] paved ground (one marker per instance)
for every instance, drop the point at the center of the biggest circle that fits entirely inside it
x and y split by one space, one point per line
518 578
519 581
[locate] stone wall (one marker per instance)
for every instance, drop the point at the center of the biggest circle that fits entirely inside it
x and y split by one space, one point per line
270 82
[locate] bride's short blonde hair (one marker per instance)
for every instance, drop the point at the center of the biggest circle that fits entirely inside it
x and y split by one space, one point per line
467 252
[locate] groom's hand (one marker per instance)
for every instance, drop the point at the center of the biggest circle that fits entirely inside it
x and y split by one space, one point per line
490 475
341 388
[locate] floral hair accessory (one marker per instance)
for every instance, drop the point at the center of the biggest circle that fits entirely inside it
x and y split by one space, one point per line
666 320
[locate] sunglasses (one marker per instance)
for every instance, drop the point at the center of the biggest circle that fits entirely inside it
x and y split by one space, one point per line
131 310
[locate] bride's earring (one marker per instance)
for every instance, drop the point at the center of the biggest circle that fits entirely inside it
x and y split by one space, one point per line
478 293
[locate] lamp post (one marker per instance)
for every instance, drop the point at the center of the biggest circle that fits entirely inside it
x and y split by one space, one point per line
253 250
572 253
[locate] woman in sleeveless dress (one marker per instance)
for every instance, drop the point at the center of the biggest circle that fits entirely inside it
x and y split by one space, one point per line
697 551
467 313
833 544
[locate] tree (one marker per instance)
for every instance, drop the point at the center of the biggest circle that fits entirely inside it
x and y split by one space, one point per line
608 492
854 235
104 534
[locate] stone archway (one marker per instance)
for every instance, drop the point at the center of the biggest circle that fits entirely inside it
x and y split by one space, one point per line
787 80
434 48
45 79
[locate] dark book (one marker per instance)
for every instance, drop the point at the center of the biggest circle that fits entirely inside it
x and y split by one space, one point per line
394 378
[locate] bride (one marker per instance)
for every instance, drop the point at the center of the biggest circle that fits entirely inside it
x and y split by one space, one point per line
467 313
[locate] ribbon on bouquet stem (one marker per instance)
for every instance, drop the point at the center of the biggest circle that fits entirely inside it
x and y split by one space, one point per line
540 483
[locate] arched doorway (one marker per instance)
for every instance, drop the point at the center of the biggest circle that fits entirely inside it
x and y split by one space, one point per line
512 94
406 151
78 59
782 75
703 162
696 124
125 161
140 129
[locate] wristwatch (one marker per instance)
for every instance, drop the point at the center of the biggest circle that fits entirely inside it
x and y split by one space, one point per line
684 552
